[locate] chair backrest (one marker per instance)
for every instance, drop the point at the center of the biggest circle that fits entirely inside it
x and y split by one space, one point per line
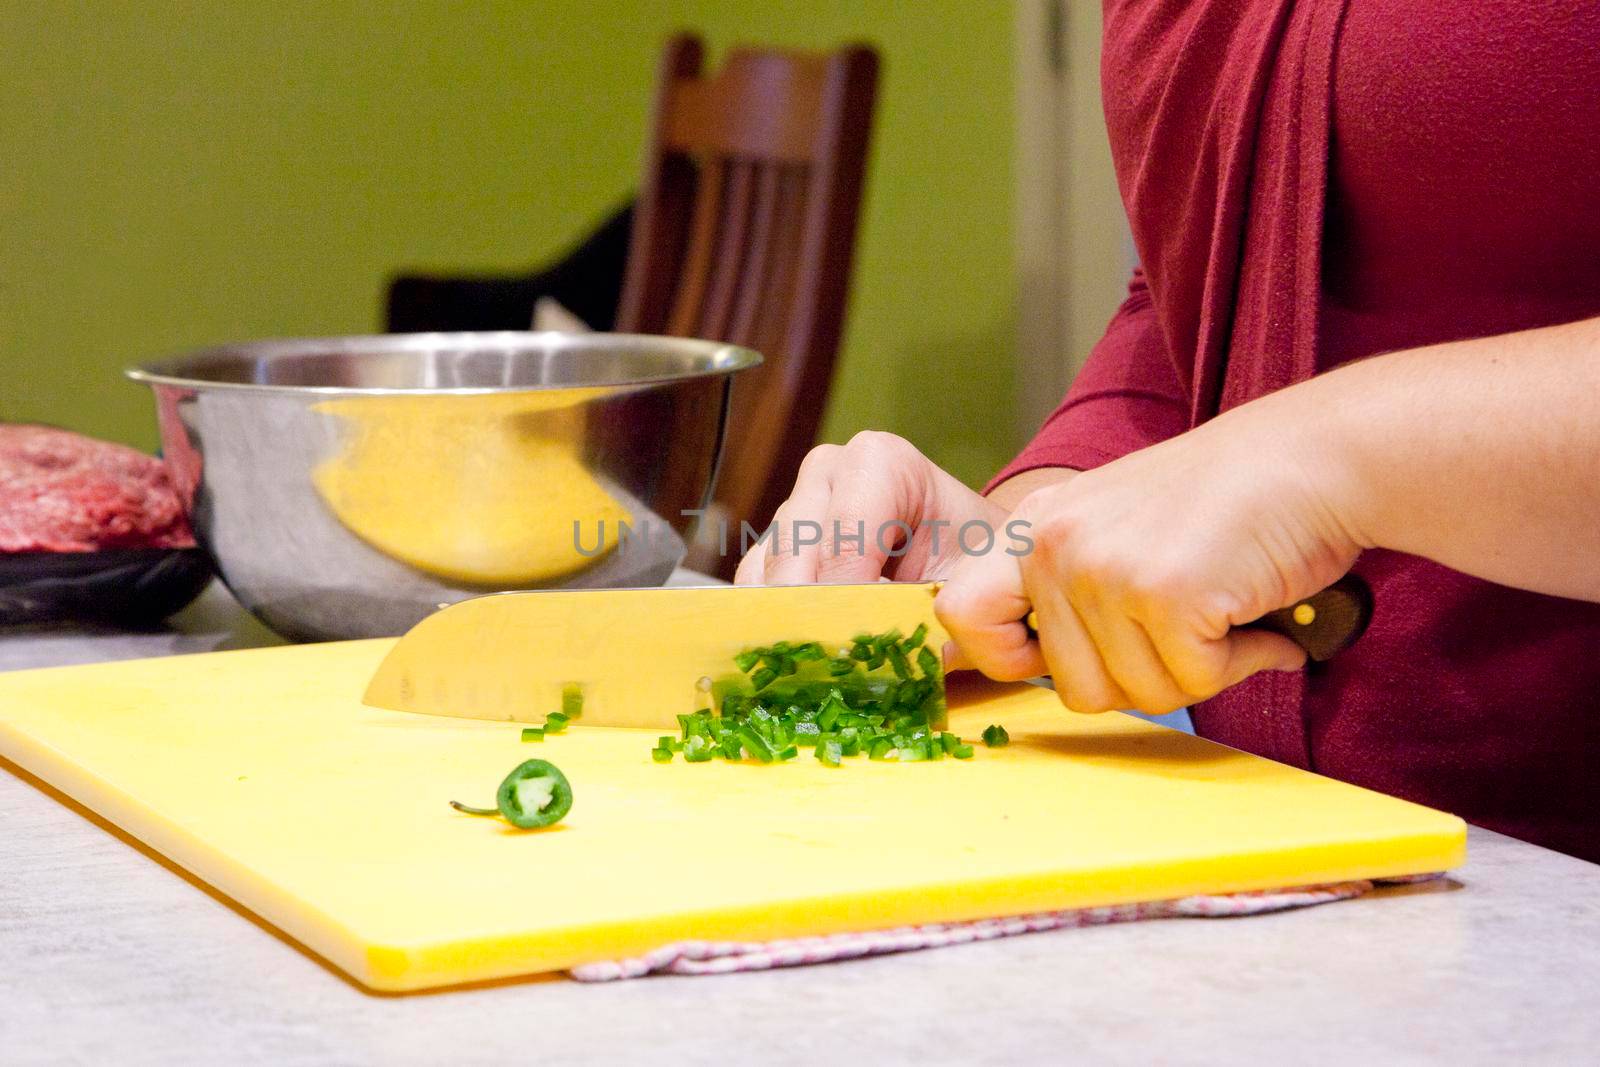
744 232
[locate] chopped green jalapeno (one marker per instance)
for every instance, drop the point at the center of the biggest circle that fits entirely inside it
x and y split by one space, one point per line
535 794
882 696
555 723
755 744
901 665
661 755
996 737
533 733
572 700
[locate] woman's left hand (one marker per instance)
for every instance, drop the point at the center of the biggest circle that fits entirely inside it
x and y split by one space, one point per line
1141 570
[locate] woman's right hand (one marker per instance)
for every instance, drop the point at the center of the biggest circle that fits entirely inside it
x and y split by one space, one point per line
907 512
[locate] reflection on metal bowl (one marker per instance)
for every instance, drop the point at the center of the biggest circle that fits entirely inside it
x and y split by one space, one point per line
347 487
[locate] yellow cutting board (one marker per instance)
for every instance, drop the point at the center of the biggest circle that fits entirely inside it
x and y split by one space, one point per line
263 774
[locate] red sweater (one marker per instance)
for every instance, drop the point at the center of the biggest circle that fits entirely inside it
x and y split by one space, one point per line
1310 183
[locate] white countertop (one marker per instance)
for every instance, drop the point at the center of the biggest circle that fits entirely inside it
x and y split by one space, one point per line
107 954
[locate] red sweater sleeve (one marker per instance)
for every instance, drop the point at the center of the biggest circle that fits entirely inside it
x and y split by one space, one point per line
1129 394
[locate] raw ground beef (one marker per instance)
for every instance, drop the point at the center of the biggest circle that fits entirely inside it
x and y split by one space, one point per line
63 492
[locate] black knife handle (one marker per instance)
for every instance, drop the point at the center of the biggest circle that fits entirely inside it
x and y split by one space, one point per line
1325 623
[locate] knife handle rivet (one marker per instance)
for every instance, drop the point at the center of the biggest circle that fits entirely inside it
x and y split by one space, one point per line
1305 614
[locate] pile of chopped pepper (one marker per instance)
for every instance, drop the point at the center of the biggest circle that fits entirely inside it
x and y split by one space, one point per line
556 722
882 697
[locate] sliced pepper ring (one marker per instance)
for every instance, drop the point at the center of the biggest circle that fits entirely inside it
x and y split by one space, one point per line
530 779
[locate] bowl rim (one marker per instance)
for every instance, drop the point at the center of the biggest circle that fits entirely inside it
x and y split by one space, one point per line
728 358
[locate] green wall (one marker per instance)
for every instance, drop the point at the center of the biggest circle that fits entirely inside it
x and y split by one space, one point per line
174 174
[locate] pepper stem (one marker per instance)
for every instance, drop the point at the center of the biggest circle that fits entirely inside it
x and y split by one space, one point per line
473 811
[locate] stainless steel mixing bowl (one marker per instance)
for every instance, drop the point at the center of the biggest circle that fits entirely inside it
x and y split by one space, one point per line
347 487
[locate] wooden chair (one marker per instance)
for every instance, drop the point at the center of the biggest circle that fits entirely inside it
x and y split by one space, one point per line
744 232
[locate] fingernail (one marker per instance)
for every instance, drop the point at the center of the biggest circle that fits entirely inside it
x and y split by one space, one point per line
952 657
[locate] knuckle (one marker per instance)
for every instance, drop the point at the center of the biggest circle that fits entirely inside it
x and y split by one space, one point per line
1156 583
1061 527
842 565
858 490
1110 565
1060 542
1157 701
1197 681
1088 700
881 446
1006 671
820 458
953 607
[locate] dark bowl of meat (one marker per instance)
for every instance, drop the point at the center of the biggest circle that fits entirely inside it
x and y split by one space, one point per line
90 531
347 487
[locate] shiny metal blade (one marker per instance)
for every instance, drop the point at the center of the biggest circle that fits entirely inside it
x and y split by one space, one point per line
637 654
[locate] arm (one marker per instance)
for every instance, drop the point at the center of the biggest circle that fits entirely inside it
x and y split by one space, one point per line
1483 455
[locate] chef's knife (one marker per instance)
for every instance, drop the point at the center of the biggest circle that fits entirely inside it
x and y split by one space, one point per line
639 655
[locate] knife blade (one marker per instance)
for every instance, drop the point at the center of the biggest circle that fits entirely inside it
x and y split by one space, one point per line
639 655
636 654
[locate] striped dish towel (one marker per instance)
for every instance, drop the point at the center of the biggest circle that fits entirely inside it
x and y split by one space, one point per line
732 957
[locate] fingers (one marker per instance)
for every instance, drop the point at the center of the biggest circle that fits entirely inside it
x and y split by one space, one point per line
1202 665
982 606
789 552
1116 629
860 528
1253 651
1083 680
753 566
853 509
1131 663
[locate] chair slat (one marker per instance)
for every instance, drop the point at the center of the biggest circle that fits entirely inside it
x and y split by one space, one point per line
686 306
731 250
770 151
763 105
777 302
758 265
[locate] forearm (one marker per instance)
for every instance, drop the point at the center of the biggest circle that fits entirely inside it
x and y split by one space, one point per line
1483 455
1009 493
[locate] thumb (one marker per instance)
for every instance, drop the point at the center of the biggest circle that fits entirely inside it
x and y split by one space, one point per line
1252 651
